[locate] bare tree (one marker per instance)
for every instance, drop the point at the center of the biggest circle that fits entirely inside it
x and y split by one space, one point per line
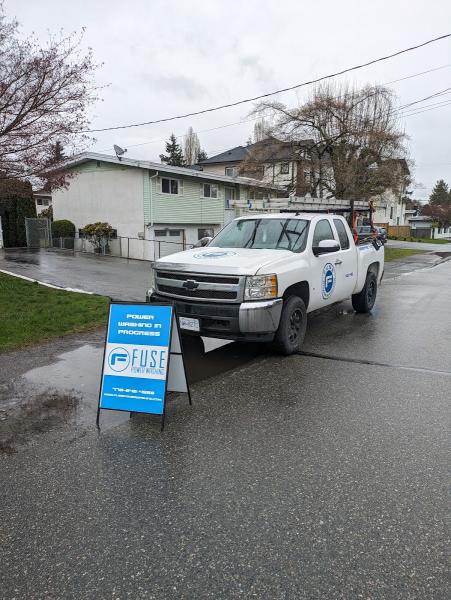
191 146
260 130
44 96
354 139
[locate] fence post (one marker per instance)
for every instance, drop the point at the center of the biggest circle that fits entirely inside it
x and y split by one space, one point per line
128 247
61 242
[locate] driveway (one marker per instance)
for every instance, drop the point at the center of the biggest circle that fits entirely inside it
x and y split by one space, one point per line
119 278
312 477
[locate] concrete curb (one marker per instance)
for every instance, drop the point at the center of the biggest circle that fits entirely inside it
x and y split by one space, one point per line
50 285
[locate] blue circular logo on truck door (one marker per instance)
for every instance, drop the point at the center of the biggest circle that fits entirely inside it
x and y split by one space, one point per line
328 280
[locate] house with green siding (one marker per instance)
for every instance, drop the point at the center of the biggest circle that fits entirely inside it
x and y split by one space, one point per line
151 202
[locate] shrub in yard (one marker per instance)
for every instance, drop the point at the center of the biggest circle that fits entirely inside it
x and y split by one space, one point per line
63 228
47 213
98 234
16 203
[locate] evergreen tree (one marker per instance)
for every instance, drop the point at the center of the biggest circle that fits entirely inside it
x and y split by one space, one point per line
174 153
201 155
440 193
58 154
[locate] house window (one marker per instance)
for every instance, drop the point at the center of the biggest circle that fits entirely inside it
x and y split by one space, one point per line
98 163
45 201
284 168
391 212
231 171
39 201
210 190
255 195
201 233
170 186
229 196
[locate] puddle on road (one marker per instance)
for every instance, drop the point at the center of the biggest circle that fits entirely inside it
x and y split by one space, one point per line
46 412
62 397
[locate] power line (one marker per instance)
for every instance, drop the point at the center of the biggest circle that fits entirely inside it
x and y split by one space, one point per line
418 74
287 89
244 121
418 112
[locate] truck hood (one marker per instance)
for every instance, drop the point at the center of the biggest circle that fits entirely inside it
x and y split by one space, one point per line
227 261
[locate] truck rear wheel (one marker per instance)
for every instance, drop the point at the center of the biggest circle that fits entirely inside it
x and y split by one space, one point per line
363 302
292 326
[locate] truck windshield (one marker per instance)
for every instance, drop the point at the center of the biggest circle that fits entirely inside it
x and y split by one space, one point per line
273 234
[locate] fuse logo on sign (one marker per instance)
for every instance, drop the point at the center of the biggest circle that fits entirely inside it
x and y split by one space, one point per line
137 371
118 359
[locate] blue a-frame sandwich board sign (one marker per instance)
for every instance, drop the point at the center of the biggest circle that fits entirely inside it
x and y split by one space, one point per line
143 359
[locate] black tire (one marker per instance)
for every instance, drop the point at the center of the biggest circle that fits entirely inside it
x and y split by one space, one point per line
293 323
363 302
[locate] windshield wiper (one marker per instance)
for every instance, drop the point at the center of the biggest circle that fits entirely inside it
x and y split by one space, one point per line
251 240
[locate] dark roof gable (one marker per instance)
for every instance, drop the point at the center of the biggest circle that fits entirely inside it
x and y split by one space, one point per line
234 154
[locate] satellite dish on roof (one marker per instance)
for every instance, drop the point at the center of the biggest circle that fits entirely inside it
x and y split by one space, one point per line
119 151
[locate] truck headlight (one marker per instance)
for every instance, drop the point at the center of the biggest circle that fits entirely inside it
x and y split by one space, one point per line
152 281
260 287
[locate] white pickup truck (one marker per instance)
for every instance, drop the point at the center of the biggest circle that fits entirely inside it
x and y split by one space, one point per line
261 275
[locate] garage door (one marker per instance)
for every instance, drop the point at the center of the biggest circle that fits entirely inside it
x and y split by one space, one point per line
168 241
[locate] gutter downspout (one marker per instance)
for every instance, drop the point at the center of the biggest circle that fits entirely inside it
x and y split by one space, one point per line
150 196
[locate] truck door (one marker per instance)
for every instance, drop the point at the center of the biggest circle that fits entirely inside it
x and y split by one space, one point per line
345 261
324 270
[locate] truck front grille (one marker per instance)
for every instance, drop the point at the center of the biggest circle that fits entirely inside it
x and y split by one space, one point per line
200 285
218 295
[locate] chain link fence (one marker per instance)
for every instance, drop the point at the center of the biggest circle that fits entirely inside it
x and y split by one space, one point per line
120 247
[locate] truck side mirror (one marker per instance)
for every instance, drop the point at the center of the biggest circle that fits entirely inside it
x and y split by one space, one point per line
202 242
326 246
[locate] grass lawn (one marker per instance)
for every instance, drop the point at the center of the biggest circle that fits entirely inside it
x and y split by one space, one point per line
31 313
413 239
396 253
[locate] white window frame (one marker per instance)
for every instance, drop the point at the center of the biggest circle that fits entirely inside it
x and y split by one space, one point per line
212 185
179 186
232 198
287 165
234 171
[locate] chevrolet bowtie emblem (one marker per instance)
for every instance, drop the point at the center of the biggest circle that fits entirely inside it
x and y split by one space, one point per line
190 284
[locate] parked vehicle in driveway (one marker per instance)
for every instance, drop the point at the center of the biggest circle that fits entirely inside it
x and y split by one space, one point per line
381 234
365 232
262 274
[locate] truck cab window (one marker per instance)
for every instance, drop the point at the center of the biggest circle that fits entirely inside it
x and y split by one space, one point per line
342 235
323 231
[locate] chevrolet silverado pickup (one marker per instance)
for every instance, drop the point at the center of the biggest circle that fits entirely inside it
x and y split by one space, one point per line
262 274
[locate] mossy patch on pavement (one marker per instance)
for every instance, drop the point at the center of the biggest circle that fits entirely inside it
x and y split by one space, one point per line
397 253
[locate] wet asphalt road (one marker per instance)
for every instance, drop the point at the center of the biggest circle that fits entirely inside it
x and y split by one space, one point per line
123 279
309 477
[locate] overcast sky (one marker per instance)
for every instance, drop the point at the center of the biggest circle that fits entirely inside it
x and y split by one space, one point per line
163 58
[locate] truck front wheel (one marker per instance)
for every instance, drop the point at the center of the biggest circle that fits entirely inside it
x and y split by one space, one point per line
363 302
292 326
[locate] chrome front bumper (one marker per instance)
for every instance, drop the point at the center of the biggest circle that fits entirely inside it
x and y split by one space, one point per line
251 321
260 317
